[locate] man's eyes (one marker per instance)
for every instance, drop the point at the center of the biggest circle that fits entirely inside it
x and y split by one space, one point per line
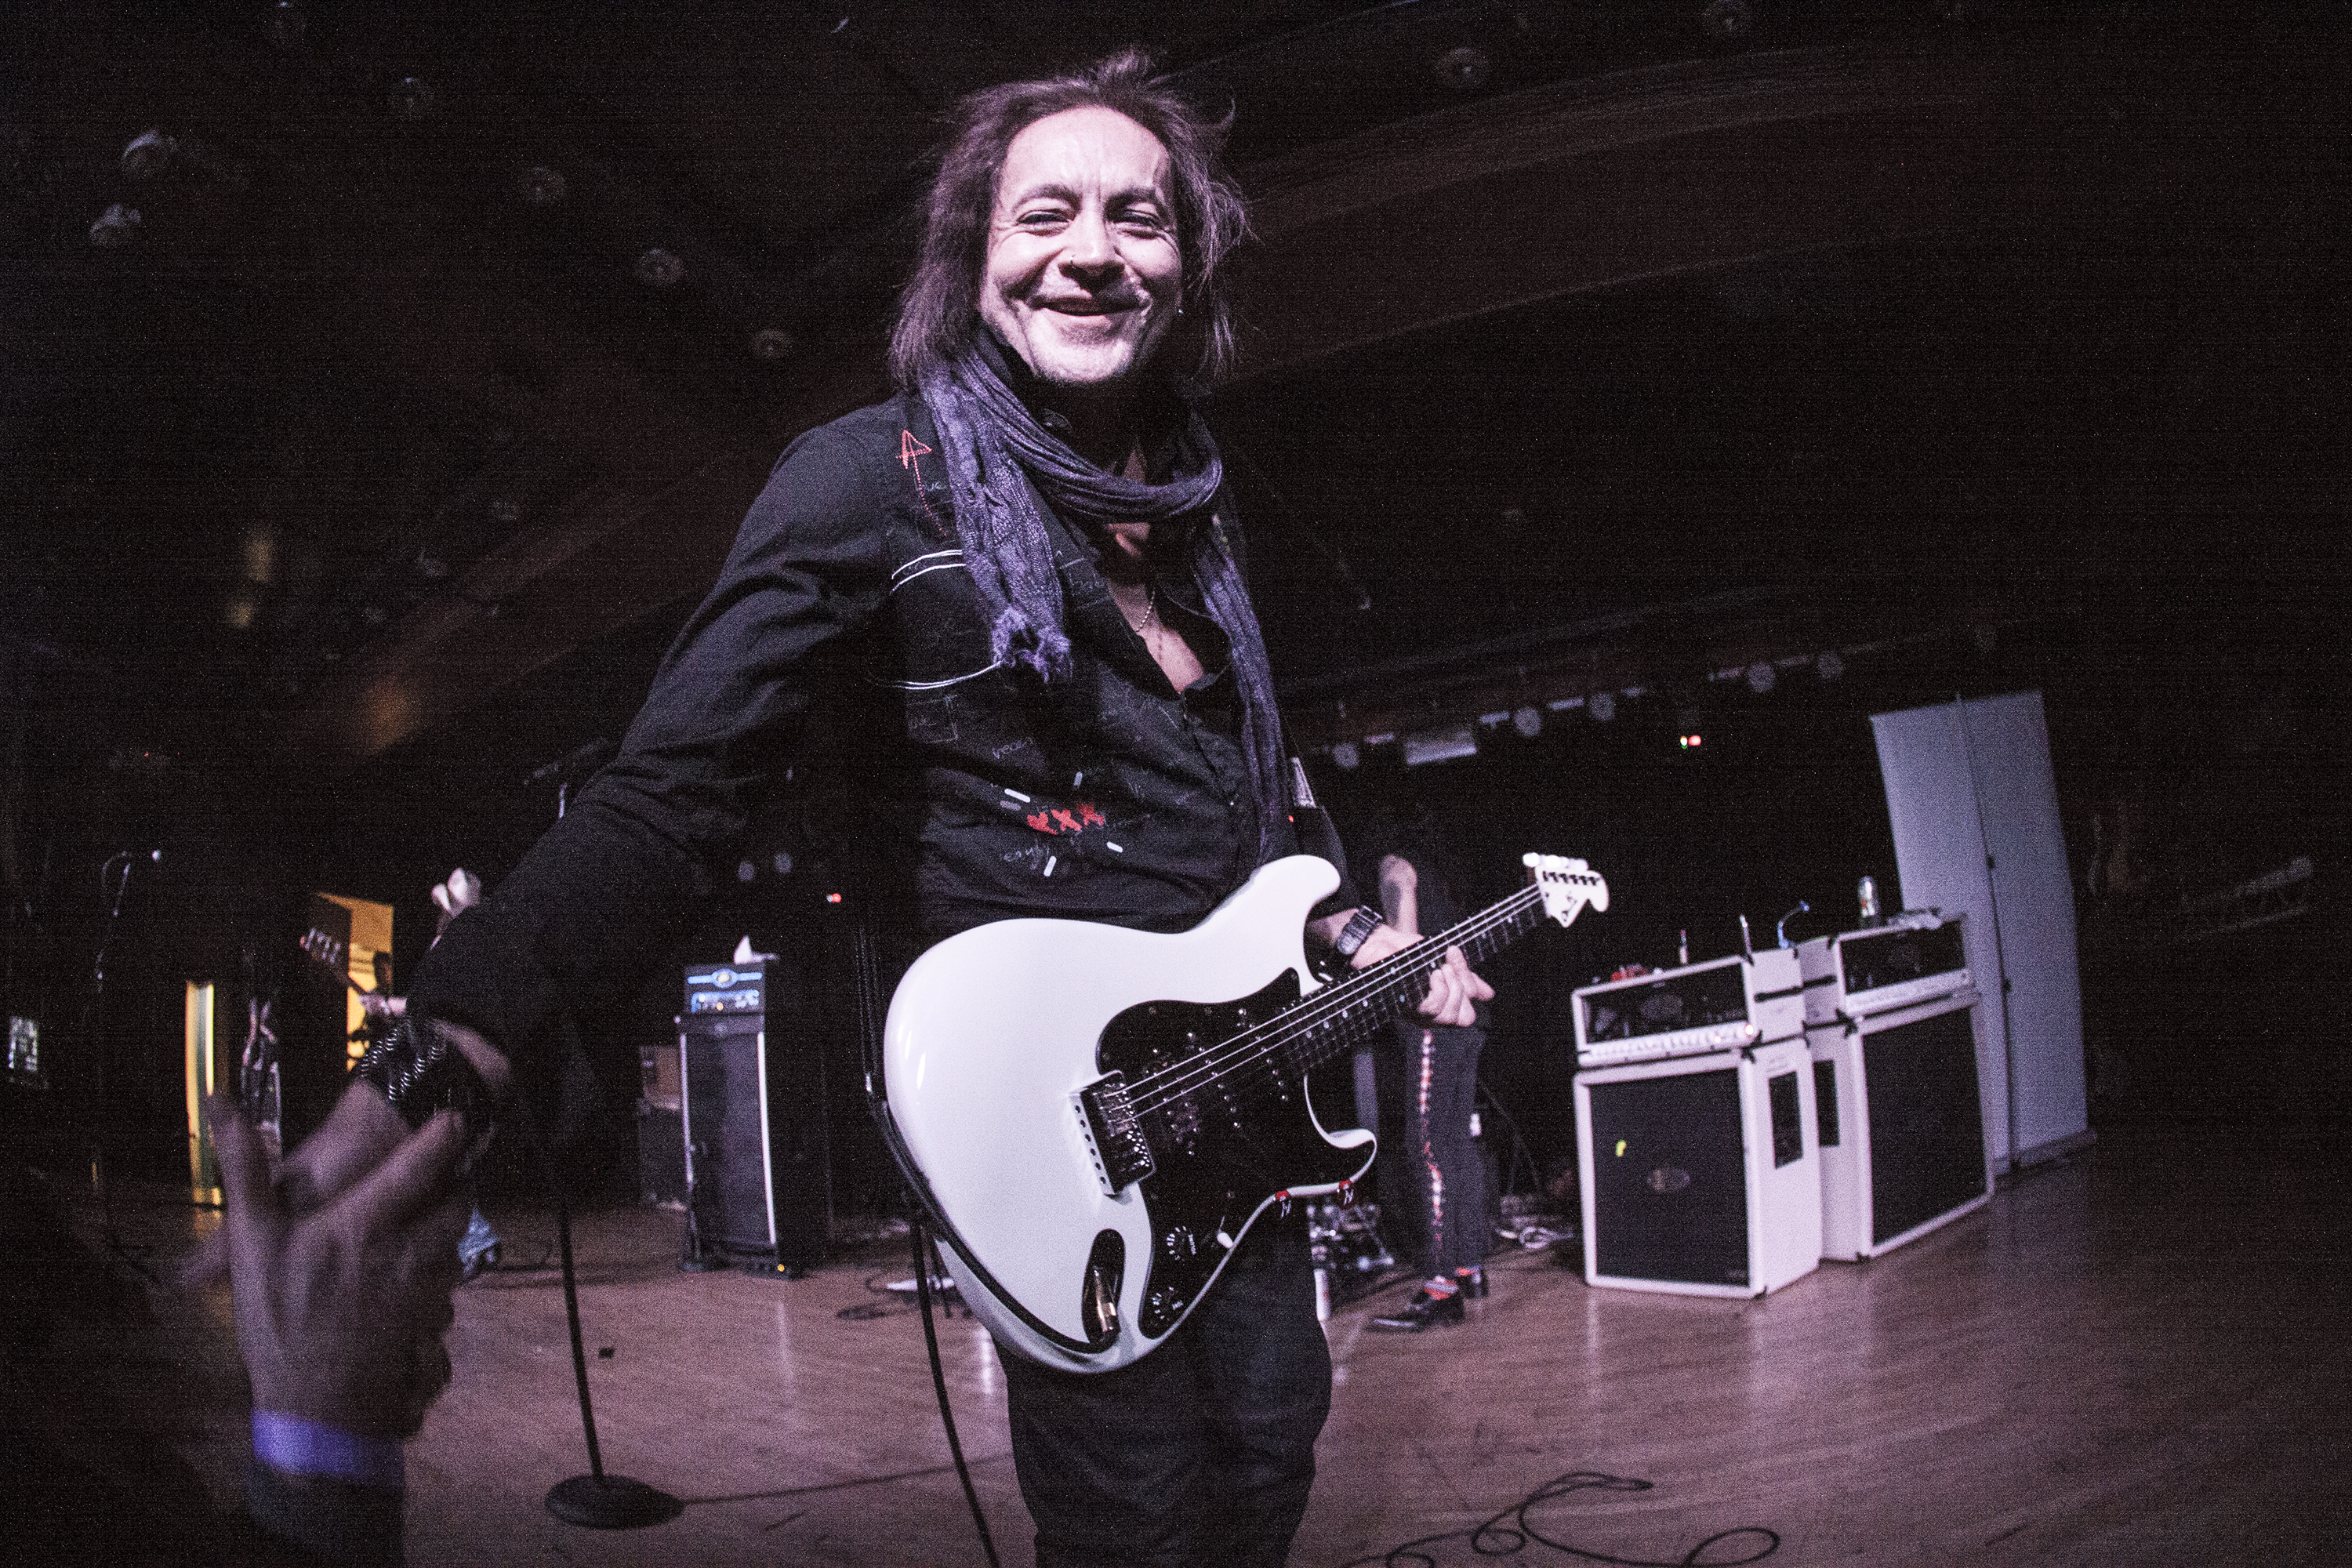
1140 220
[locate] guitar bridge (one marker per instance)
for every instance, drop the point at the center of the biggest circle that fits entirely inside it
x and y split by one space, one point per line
1114 1137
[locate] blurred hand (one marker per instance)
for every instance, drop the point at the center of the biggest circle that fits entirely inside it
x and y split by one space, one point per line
340 1307
359 1134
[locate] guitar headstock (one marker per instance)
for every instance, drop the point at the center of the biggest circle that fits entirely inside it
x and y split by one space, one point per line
329 951
1567 886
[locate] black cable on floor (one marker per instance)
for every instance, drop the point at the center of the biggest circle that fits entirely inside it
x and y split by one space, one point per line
940 1385
1509 1532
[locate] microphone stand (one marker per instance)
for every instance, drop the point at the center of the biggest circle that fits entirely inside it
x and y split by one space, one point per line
595 1500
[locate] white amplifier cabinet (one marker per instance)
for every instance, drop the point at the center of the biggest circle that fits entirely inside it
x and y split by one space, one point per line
1724 1004
1900 1126
1915 957
1701 1174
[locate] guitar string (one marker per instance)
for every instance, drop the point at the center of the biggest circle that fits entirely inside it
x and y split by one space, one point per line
1316 1012
1245 1057
1253 1047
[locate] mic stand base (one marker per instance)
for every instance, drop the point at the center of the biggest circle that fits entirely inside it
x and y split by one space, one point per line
611 1502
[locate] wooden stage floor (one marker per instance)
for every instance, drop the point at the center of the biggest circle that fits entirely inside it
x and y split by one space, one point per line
2137 1355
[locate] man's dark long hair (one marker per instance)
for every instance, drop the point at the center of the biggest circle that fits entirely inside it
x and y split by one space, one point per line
936 313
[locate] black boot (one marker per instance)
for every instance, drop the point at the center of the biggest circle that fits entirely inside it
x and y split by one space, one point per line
1426 1309
1472 1285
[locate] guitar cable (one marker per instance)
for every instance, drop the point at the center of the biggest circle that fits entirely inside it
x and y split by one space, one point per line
922 1240
866 960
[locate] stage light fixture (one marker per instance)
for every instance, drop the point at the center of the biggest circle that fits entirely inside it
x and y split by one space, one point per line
287 23
1762 677
1347 756
540 185
1828 666
1527 720
769 344
149 154
117 225
1602 706
660 269
745 870
414 99
782 862
1442 745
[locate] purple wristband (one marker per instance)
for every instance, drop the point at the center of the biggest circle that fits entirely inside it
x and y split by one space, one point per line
301 1447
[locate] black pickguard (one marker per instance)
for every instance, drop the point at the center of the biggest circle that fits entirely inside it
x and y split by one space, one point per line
1219 1150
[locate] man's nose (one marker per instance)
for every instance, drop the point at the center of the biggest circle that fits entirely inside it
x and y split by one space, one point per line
1089 248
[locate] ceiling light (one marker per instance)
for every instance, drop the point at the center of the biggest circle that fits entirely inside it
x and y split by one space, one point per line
1527 721
1465 68
1602 706
658 268
1347 756
1761 676
1828 666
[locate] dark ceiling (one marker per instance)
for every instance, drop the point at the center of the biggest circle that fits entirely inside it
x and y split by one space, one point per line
449 340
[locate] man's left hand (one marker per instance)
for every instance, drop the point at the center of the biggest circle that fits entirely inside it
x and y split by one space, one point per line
1453 987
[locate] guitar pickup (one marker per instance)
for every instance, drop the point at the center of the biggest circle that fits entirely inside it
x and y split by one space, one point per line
1114 1137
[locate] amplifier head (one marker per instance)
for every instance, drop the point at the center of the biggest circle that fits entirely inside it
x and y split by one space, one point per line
1722 1003
724 988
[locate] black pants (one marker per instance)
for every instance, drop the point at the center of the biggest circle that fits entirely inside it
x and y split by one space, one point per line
1445 1224
1203 1451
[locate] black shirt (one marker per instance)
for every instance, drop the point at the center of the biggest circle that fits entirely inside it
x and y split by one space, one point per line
981 791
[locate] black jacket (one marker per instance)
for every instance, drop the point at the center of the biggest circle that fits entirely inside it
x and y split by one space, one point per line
979 793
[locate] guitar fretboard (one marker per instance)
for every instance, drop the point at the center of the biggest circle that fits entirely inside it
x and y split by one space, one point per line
1343 1015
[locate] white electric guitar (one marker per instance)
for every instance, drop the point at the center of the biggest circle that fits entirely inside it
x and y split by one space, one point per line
1096 1116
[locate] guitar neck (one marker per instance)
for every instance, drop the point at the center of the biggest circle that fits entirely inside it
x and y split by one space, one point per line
1347 1013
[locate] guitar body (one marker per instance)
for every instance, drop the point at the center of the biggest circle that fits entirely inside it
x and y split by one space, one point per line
992 1036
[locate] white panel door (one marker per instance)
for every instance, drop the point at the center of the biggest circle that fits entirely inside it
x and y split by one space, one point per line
2033 890
1975 812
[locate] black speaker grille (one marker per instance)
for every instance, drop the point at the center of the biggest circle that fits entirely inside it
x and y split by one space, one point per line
1670 1190
1787 1120
723 1091
1927 1126
1825 1102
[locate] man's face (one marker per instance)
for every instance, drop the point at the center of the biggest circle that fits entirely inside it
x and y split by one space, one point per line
1083 272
